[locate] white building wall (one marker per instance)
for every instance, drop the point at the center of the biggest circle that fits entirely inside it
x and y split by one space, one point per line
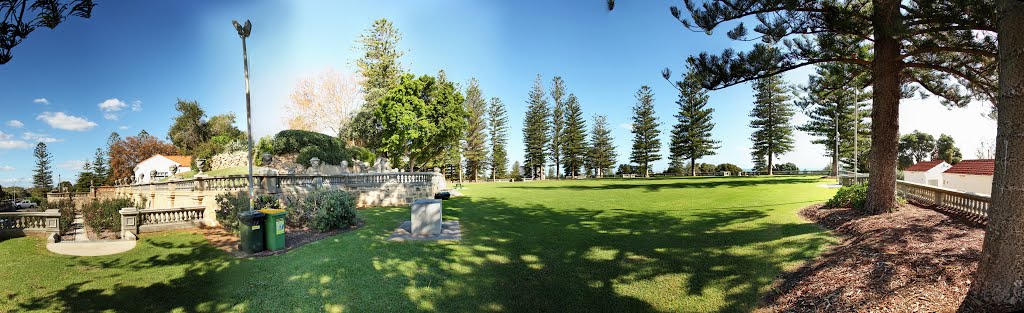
969 183
932 177
160 164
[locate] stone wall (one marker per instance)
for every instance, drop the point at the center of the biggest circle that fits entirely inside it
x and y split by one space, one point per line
229 159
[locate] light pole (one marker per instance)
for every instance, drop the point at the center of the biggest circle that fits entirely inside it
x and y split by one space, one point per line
243 32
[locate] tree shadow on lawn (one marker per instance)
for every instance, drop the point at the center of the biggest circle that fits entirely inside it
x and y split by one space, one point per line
658 184
542 259
191 290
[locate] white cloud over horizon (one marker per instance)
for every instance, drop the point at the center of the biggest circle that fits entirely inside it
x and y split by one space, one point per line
60 120
36 137
41 100
72 165
15 124
6 168
112 107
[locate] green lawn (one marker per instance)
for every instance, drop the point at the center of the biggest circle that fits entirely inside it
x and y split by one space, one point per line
633 245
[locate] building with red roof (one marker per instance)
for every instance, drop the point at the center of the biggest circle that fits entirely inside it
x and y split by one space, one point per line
973 176
926 172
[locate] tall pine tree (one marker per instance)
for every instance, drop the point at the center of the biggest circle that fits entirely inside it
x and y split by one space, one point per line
574 138
381 67
691 136
474 147
646 145
602 151
557 120
497 127
832 101
42 179
536 130
773 135
99 167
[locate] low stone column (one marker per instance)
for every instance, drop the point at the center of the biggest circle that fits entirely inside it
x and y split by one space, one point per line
52 225
130 223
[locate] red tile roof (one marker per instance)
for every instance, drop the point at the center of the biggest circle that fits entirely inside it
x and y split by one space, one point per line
923 166
974 167
183 160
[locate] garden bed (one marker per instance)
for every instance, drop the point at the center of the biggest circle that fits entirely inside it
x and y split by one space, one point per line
914 259
294 238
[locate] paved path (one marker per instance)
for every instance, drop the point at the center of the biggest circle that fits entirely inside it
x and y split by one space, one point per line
82 246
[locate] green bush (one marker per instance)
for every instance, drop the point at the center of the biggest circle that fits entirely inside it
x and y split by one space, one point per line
328 209
292 141
105 214
264 145
67 212
362 154
233 203
728 167
849 197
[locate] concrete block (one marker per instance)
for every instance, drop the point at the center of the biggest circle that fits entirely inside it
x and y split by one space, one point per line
426 217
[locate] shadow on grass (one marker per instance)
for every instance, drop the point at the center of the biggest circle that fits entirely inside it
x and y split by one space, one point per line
656 184
511 258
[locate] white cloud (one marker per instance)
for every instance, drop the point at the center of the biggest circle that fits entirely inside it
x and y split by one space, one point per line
136 106
122 127
15 123
34 137
4 136
110 116
63 121
6 168
627 126
41 100
73 165
112 105
14 144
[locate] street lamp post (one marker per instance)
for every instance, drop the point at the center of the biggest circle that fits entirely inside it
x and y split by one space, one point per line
243 32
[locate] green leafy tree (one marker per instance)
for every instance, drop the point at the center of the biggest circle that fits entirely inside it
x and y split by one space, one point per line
42 179
17 25
786 167
223 125
833 102
691 135
773 135
933 45
646 145
381 69
112 140
574 138
915 147
997 283
189 130
945 149
557 120
497 127
474 147
728 167
422 119
602 148
536 130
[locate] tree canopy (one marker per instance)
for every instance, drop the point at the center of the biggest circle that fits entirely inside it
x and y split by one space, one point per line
382 70
17 25
691 135
422 119
646 145
773 134
536 130
497 127
474 146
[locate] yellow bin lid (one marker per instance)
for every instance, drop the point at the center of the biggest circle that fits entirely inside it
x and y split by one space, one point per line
272 211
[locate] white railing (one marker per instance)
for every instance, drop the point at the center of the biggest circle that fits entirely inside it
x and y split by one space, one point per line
970 205
171 215
13 224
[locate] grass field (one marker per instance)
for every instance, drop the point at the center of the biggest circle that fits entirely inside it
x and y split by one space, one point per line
659 245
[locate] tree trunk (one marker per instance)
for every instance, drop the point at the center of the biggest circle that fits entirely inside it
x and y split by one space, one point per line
886 102
835 161
693 168
999 283
770 170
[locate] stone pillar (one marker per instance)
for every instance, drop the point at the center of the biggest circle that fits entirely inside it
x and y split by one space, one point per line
170 194
426 217
130 223
52 225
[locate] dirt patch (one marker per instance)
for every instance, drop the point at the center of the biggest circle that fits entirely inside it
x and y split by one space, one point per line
911 260
104 235
293 238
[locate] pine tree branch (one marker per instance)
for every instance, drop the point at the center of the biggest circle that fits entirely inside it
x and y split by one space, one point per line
988 54
782 69
951 71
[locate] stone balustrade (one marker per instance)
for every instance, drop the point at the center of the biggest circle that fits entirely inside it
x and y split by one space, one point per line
18 224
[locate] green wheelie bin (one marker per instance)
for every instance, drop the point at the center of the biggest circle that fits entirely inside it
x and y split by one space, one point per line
250 227
274 228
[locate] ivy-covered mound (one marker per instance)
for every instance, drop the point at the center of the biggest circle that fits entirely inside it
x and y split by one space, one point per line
330 150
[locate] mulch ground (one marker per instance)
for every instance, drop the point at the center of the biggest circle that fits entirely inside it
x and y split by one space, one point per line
293 238
911 260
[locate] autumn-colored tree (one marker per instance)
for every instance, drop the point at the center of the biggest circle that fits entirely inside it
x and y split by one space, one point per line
128 152
325 102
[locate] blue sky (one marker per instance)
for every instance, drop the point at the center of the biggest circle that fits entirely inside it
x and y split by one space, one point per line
123 69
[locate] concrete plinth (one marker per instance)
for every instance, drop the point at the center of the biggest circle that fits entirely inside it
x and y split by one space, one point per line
426 217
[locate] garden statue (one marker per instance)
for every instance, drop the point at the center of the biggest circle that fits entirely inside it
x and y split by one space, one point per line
314 165
141 178
152 176
437 170
267 159
344 167
173 169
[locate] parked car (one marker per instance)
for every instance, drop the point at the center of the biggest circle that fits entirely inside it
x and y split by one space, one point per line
25 204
